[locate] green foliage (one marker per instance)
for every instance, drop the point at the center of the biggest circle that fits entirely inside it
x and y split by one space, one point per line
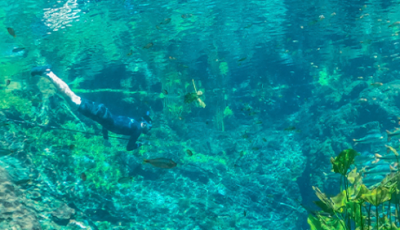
376 196
228 112
342 163
344 211
9 100
223 68
325 223
190 97
323 77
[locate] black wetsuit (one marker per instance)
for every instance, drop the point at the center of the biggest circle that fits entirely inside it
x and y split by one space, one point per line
116 124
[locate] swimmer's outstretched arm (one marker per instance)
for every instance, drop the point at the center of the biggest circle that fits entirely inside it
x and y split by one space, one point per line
73 100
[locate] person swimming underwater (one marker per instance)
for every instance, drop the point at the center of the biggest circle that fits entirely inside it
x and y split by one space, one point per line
99 112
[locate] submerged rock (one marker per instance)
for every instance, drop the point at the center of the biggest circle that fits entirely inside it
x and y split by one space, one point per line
12 212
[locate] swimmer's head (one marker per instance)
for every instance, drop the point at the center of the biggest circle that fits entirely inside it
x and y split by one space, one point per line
146 124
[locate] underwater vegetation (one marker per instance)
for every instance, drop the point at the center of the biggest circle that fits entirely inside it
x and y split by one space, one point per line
358 206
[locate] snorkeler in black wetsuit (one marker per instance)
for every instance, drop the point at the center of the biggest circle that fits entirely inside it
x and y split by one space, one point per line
99 112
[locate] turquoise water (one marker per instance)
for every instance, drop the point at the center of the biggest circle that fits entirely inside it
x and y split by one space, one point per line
284 86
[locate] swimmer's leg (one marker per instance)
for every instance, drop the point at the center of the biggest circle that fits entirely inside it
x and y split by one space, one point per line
73 100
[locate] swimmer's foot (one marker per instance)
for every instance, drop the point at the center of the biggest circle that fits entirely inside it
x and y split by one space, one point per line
40 70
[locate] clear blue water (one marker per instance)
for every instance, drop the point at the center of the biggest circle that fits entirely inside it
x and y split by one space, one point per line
285 86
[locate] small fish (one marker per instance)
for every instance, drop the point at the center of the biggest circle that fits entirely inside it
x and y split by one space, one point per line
130 53
8 82
255 148
83 176
248 26
161 163
395 24
186 15
265 140
158 27
124 180
244 213
392 149
245 136
21 182
190 153
16 50
166 21
376 84
371 138
71 147
290 128
11 32
165 92
148 45
4 125
242 59
172 58
6 152
259 122
36 100
395 133
377 155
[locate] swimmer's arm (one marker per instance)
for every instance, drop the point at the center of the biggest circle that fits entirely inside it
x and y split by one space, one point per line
132 143
105 133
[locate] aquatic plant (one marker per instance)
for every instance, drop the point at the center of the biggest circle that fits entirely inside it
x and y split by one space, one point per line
352 207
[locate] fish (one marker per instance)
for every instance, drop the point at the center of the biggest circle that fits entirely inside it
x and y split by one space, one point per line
165 92
190 153
395 24
393 150
186 15
376 84
124 180
11 32
395 133
83 176
21 182
265 140
242 59
291 128
161 163
148 45
371 138
72 146
130 53
8 82
166 21
16 50
6 152
259 122
244 213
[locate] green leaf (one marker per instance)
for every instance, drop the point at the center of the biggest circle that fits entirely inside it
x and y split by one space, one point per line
341 163
314 223
353 208
339 201
376 196
324 207
353 176
325 223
